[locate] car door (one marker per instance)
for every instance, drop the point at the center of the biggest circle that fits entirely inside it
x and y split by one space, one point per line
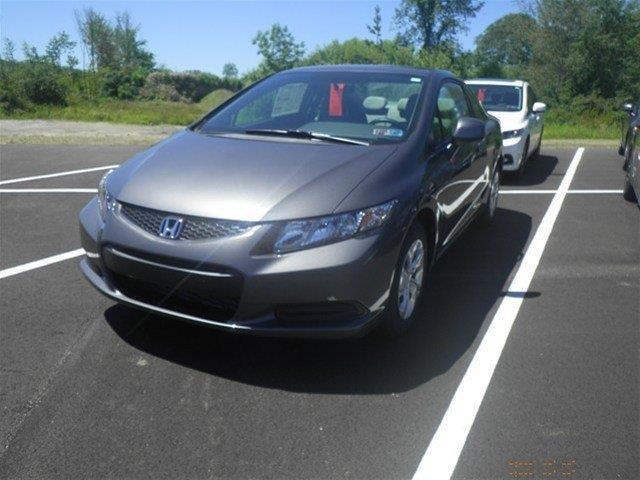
459 188
480 166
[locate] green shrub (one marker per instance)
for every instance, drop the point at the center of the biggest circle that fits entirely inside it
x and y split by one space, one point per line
43 83
124 84
215 98
12 96
189 86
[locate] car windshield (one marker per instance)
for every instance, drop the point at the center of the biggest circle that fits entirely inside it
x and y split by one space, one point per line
498 98
362 106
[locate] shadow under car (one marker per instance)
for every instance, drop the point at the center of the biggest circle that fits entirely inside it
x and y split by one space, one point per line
461 289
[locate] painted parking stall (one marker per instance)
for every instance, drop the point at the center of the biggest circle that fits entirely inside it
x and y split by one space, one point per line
524 356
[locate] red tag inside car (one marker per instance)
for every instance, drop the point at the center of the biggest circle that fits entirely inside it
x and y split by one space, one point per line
335 99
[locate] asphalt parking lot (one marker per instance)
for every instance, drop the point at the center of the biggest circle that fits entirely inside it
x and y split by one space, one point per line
91 389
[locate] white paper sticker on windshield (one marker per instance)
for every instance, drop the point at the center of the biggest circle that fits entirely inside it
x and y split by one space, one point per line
288 99
416 79
388 132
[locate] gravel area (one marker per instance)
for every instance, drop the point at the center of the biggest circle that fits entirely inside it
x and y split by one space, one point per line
81 133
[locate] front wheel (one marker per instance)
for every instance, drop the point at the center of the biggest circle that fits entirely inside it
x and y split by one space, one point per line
491 203
518 174
536 153
408 280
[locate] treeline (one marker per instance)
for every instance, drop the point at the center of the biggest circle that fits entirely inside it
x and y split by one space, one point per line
580 55
116 64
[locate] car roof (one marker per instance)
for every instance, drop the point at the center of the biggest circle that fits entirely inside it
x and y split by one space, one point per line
398 69
495 81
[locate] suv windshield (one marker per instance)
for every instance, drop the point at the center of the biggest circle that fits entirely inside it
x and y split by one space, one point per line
371 107
498 98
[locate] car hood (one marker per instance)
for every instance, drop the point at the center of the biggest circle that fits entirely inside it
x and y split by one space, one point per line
508 120
248 179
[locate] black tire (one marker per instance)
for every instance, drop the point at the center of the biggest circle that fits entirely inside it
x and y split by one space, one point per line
488 209
394 324
629 193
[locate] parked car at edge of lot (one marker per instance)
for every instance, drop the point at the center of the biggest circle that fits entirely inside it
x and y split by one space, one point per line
631 166
514 104
310 204
633 110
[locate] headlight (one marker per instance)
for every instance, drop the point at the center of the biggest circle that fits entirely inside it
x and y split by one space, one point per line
299 234
513 133
106 201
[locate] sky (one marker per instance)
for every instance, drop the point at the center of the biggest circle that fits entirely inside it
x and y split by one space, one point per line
204 35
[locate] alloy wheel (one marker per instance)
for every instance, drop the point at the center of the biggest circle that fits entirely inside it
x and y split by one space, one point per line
410 283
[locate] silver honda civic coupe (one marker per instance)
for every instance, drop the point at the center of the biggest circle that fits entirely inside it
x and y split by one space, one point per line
310 204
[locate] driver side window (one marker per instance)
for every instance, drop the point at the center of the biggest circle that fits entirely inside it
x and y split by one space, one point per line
452 105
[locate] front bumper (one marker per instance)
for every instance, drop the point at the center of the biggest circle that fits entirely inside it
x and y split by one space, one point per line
512 151
342 286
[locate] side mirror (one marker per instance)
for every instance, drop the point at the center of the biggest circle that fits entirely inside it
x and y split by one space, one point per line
539 107
628 107
469 129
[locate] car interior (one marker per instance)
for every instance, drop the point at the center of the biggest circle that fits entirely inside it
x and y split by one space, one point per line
366 110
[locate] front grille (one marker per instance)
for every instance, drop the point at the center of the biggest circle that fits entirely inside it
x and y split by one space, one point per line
172 297
192 291
194 228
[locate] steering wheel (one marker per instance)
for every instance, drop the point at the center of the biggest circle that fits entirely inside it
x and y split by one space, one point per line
393 123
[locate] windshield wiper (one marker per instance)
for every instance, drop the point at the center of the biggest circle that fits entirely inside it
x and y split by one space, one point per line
304 134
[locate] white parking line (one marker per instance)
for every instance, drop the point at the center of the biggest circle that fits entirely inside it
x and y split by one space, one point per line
59 174
8 272
525 192
596 191
48 190
441 456
552 192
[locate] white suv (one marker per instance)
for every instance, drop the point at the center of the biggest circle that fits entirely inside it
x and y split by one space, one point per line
514 104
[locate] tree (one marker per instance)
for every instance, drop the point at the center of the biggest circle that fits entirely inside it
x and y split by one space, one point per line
279 49
30 52
506 46
130 49
8 49
58 46
229 70
586 49
375 28
97 37
358 51
434 23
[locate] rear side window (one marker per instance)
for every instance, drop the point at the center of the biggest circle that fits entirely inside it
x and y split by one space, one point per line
452 105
